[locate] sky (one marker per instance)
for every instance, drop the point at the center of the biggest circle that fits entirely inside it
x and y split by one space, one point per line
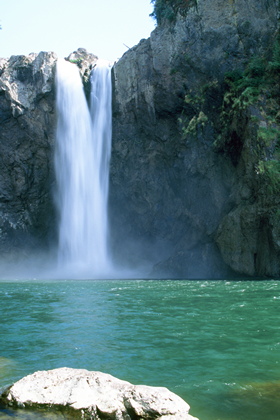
105 28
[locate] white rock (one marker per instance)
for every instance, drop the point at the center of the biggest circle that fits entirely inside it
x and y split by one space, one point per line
96 395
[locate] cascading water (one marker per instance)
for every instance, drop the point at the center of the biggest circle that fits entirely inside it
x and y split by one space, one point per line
82 170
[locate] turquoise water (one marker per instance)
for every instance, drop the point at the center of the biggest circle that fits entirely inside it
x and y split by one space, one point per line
214 343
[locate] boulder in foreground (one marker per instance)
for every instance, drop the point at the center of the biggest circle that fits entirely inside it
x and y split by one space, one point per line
95 396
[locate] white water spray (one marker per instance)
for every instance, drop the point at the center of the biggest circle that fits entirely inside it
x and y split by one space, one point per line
82 169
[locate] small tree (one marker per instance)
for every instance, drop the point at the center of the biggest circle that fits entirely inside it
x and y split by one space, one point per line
167 10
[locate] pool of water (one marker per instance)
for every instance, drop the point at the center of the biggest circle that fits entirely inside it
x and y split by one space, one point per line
214 343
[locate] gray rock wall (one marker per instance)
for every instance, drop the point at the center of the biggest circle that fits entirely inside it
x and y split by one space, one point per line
27 118
175 201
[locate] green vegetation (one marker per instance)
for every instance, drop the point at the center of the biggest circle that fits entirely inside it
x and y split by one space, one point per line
254 94
167 10
274 65
243 89
194 123
77 61
194 115
267 135
260 77
270 172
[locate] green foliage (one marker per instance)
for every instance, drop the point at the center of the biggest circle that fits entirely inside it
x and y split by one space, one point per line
242 89
257 87
269 135
234 101
270 171
167 10
194 99
274 65
193 116
77 61
255 71
196 121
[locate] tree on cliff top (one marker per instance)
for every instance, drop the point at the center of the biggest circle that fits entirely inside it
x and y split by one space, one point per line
167 10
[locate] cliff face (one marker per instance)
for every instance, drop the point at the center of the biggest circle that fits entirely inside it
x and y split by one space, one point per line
27 118
193 204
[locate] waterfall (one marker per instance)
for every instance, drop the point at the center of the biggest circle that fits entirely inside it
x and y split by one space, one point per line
82 158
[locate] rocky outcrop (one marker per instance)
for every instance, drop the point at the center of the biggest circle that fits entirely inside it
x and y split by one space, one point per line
95 395
189 207
27 118
86 63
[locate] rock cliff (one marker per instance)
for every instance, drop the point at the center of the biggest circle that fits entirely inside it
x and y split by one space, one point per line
185 193
27 118
195 185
